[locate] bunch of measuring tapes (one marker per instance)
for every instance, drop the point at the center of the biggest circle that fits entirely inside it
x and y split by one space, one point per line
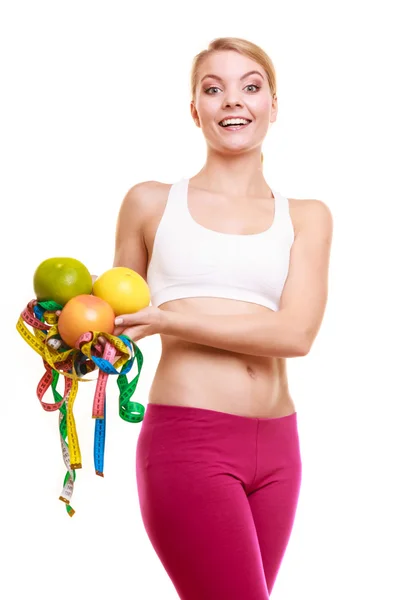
73 364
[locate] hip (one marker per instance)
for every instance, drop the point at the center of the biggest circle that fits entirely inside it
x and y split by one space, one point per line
182 440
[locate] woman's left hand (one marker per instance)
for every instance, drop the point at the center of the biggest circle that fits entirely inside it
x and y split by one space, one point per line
140 324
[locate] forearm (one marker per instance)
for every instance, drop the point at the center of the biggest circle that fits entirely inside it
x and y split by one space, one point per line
267 334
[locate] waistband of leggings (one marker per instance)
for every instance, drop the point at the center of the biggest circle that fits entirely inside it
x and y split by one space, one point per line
194 412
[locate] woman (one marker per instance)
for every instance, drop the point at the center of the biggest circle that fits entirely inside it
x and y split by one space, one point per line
238 275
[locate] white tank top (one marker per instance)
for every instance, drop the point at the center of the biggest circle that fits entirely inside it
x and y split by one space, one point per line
189 260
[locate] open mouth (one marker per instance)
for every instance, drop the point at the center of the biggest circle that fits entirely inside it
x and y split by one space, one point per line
234 124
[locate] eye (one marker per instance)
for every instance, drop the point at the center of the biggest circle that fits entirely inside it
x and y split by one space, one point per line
254 86
251 85
211 88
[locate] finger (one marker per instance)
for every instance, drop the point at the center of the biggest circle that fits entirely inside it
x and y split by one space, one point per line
118 330
131 319
130 333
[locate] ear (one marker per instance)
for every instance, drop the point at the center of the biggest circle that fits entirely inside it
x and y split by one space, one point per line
274 109
195 114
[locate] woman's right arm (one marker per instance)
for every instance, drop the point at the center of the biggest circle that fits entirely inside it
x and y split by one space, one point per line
130 247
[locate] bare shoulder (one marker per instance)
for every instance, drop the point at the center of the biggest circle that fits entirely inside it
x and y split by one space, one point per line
144 196
308 214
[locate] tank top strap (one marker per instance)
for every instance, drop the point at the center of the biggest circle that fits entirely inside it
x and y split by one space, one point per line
282 203
282 214
177 192
175 208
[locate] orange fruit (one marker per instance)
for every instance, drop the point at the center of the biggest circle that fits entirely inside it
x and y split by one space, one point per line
125 290
84 313
60 279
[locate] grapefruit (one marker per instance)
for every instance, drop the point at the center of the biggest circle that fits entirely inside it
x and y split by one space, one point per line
124 289
60 279
82 314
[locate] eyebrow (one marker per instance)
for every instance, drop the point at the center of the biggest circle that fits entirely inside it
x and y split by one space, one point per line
243 76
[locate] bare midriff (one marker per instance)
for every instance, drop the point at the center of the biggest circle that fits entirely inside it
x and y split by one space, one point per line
195 375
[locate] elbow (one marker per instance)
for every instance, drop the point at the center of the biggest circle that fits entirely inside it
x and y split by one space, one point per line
304 344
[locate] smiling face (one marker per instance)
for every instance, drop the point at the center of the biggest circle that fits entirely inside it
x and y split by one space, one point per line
232 85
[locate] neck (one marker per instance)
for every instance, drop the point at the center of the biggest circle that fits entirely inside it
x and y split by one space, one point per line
238 175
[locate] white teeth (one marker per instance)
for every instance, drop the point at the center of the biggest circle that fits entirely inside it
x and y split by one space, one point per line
226 122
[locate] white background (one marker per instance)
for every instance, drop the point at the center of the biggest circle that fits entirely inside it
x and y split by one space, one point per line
95 98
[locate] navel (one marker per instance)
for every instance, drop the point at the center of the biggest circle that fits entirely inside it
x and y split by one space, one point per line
250 371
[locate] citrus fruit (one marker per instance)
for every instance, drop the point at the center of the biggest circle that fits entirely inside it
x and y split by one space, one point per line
84 313
60 279
125 290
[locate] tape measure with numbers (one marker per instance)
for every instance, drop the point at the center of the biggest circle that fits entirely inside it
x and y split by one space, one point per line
73 364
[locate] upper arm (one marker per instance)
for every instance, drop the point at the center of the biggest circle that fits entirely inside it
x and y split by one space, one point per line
305 292
130 247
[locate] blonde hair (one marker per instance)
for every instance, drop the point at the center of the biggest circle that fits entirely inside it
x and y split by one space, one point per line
241 46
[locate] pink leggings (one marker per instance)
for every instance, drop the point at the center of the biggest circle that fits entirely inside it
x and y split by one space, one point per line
218 494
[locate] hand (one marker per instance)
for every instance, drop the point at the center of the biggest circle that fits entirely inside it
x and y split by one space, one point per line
140 324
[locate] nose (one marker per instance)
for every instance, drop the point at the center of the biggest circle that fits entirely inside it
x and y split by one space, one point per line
229 104
231 99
